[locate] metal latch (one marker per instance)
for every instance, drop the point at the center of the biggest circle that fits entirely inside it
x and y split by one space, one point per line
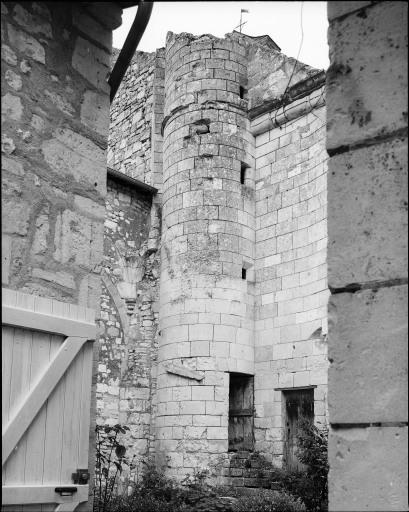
66 491
81 477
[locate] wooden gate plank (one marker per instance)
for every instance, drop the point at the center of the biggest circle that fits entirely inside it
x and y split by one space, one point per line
83 447
36 434
36 398
20 381
71 428
53 432
7 356
47 323
7 359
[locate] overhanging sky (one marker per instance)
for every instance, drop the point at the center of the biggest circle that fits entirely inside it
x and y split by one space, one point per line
280 20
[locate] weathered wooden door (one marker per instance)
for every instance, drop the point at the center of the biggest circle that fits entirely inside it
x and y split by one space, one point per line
241 412
46 386
298 404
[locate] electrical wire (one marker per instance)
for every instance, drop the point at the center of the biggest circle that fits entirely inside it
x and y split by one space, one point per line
299 50
296 60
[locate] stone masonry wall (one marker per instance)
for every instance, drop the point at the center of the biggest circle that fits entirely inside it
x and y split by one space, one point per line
367 255
206 308
215 226
129 317
129 146
55 110
55 115
290 267
243 262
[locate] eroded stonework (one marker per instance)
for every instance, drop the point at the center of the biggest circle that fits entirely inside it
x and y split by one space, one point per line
237 155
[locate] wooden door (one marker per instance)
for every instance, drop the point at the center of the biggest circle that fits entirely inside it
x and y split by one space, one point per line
47 350
299 404
241 412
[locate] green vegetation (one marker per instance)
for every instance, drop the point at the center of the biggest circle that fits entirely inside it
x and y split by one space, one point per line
305 491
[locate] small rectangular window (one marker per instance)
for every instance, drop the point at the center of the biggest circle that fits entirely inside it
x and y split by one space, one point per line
241 412
243 171
243 273
243 93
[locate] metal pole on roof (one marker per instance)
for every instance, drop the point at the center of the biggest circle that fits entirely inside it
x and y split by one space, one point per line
241 24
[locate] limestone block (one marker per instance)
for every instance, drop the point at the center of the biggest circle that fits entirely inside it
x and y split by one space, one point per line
301 379
368 350
216 408
77 239
302 348
366 242
15 215
181 393
200 348
8 55
12 165
217 433
5 258
368 469
224 333
95 112
90 207
192 407
37 123
285 380
74 154
368 62
11 107
92 63
60 278
26 44
219 349
92 29
40 240
202 392
13 80
206 420
60 102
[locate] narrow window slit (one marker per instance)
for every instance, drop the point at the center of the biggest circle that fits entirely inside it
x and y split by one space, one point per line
243 273
242 93
243 171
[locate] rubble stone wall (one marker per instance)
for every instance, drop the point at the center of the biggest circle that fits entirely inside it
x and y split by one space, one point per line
128 325
55 117
290 268
135 140
367 255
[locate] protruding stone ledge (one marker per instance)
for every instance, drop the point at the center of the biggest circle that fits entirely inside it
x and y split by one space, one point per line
296 92
182 371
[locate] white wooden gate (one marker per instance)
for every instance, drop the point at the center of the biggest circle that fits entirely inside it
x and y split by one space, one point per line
46 388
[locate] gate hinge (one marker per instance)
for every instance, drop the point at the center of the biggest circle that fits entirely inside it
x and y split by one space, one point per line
81 477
